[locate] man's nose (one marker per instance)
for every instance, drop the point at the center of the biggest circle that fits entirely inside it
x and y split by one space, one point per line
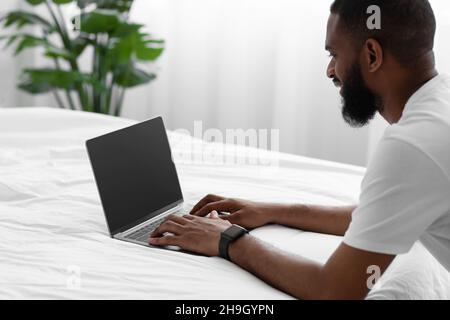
330 70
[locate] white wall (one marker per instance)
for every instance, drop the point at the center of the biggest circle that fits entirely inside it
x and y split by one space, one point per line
8 69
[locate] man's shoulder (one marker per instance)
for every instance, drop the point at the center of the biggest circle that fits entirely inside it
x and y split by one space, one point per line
426 127
401 152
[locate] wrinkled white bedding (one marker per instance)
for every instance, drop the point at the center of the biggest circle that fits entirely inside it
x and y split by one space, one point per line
54 242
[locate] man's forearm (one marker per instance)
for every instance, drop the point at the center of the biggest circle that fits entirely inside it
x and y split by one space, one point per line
322 219
294 275
344 275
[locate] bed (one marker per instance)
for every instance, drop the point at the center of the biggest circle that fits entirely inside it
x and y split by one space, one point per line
54 242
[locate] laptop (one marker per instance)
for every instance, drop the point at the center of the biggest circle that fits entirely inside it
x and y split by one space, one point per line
136 179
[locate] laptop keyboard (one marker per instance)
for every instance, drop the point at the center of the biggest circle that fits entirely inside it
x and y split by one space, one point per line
143 234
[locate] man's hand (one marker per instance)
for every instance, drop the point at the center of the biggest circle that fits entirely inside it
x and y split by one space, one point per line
245 213
191 233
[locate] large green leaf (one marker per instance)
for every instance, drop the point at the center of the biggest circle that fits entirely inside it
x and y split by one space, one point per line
11 38
118 5
121 51
129 76
135 46
99 21
55 52
30 41
23 18
148 49
44 80
38 2
124 29
35 2
62 1
84 3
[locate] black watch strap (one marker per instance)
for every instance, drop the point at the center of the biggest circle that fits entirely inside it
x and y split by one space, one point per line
229 236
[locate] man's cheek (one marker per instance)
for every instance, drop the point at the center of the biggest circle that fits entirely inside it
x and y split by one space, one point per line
338 73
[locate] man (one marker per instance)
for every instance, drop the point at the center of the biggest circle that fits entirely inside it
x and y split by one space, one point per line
405 194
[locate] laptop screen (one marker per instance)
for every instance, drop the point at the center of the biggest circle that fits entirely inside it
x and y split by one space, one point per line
135 174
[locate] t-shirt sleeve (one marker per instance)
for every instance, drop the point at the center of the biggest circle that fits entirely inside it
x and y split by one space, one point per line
402 194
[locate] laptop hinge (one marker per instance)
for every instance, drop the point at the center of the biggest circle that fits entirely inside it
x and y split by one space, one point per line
140 225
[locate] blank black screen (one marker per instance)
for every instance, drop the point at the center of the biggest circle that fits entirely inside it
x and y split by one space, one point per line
135 173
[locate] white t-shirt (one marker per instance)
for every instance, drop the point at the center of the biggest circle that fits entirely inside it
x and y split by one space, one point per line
405 194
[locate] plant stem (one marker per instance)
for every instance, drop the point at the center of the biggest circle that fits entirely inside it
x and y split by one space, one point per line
95 71
119 104
100 71
58 99
72 61
56 95
62 22
66 33
105 104
69 98
68 95
109 95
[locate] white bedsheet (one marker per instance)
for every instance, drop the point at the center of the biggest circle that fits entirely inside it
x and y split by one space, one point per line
54 242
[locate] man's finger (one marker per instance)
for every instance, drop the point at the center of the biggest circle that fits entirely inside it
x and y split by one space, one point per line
165 241
177 219
168 226
235 218
222 205
213 215
207 199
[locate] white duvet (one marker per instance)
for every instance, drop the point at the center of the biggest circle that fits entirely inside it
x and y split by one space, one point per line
54 242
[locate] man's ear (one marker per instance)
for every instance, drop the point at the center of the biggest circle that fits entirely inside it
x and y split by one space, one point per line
373 55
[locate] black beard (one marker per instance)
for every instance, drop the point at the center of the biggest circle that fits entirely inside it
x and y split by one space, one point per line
359 104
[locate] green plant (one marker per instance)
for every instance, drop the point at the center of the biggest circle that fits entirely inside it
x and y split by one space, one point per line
118 48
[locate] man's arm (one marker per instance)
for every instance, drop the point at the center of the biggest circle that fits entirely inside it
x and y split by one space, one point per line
344 276
322 219
249 214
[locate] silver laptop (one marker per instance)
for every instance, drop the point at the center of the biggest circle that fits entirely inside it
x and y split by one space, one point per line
136 179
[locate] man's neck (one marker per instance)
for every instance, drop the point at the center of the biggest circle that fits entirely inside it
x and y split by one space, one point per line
403 87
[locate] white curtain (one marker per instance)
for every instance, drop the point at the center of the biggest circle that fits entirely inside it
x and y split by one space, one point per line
256 64
248 64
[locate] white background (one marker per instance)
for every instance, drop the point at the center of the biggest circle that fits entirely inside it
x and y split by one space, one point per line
241 64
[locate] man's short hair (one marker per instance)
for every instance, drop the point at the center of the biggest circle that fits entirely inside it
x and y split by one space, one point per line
407 29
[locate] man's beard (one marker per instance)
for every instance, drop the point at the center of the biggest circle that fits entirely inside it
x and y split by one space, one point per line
359 104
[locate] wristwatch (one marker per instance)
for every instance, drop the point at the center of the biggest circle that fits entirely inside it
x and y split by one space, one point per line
229 236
